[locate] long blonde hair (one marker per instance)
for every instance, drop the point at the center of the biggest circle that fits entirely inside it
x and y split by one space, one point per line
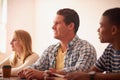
26 43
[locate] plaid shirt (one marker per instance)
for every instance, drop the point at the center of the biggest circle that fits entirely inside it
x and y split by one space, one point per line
80 56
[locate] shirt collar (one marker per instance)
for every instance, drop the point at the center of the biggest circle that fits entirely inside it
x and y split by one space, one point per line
71 43
115 51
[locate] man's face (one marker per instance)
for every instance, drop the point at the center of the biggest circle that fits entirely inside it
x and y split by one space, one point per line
105 30
60 28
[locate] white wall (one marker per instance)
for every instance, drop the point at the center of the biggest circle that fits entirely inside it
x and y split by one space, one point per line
37 17
89 11
20 15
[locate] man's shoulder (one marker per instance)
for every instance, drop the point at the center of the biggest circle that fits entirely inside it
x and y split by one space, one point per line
109 47
54 45
85 43
81 41
52 48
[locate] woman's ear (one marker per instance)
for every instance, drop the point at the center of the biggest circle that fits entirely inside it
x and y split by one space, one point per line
114 30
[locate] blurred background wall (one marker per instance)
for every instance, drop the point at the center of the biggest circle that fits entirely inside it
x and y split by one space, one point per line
36 17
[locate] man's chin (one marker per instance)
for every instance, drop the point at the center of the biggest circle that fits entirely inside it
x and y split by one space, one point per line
103 41
55 37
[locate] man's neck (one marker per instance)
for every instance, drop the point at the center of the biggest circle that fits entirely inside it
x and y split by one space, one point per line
63 47
116 45
64 43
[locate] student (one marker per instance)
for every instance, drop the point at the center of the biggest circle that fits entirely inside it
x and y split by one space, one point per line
23 55
68 55
109 62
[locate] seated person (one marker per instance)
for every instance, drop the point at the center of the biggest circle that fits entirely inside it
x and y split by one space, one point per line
23 55
68 55
109 62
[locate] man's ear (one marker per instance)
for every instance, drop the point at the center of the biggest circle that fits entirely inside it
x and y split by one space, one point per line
114 30
71 26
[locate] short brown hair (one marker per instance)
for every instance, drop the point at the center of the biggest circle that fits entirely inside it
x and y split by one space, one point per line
70 15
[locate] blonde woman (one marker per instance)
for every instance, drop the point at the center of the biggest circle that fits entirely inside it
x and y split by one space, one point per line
23 55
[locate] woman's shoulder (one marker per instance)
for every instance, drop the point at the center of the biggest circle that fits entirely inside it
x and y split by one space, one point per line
34 55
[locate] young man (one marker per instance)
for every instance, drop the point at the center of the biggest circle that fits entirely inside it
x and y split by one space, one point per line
68 55
109 62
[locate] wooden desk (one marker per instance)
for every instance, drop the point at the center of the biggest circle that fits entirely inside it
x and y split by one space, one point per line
11 78
17 78
56 78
